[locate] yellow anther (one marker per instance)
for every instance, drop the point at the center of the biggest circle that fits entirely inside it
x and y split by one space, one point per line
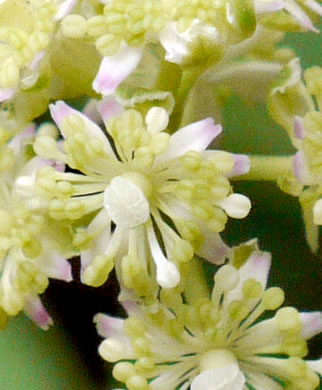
46 146
82 240
183 251
160 143
64 188
74 26
141 344
123 370
134 326
33 248
144 364
238 310
97 273
273 298
288 320
226 278
137 382
202 209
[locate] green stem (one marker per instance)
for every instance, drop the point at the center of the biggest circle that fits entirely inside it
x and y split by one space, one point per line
187 82
195 282
267 168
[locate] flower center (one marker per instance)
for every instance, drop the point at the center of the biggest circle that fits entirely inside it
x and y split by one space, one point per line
219 370
126 200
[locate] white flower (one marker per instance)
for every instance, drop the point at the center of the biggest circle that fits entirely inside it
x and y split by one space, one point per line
215 343
136 184
28 254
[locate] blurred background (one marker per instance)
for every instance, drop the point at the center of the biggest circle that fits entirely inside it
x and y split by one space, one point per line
65 357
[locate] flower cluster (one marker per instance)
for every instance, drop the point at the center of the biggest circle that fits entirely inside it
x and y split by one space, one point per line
28 255
115 152
215 342
297 107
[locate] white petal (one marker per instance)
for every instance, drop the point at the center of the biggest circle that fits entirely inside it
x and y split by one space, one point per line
262 6
34 309
314 6
196 136
115 69
224 378
256 267
60 110
55 266
175 44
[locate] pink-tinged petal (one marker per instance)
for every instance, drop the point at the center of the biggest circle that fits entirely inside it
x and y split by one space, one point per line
64 9
108 108
213 248
301 168
132 308
38 57
6 93
312 324
115 69
108 326
34 309
314 6
242 165
300 15
315 365
56 266
91 112
60 110
196 136
299 129
256 267
268 6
